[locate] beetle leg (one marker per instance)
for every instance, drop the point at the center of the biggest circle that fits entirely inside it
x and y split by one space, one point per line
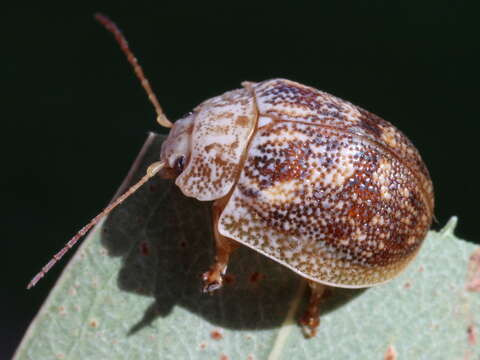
311 319
213 278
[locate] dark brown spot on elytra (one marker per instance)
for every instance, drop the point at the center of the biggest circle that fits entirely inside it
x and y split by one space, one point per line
293 166
248 192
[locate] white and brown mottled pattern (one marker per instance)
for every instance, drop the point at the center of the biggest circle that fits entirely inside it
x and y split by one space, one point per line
221 131
314 182
329 190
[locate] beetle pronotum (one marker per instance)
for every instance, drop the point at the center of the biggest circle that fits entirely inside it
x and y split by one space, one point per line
323 187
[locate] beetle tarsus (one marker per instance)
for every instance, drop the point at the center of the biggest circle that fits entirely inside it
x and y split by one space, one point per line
309 325
210 288
311 319
213 279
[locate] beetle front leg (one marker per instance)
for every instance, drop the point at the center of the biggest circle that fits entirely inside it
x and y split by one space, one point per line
213 278
311 319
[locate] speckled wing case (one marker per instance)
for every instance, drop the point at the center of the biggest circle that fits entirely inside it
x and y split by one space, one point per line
328 189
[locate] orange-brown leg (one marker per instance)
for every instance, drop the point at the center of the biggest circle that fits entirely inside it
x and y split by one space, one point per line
213 278
311 318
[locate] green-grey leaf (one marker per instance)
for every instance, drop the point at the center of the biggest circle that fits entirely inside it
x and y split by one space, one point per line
132 291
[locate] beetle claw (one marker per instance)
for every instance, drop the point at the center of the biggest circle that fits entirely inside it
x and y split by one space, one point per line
212 280
310 323
210 288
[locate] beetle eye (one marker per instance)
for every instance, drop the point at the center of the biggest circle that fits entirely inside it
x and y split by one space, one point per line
179 164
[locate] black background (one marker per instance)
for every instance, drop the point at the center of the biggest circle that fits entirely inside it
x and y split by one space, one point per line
74 116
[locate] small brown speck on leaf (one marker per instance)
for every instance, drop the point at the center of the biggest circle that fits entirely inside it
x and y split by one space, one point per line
421 268
229 279
390 354
255 277
144 248
250 357
223 357
216 335
61 310
60 356
407 285
472 334
203 346
473 277
93 323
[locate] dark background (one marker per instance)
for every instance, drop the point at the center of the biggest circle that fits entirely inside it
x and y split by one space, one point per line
74 116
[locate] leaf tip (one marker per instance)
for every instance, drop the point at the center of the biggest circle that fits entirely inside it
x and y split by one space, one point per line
449 227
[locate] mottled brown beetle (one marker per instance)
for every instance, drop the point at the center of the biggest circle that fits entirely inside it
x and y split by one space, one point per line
325 188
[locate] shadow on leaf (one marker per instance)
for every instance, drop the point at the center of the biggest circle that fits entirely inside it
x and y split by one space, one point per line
166 243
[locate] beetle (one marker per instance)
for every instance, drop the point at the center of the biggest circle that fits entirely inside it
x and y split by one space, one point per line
327 189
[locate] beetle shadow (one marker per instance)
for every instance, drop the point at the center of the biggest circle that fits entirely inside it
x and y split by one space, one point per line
165 241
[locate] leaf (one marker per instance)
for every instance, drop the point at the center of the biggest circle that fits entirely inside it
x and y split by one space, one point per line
132 291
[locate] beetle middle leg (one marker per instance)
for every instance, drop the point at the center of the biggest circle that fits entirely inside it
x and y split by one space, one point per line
213 278
311 319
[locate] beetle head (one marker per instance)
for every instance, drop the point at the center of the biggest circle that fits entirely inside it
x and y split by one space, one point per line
176 149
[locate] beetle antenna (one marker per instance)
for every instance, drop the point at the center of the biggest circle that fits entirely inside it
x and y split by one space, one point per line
151 171
122 41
